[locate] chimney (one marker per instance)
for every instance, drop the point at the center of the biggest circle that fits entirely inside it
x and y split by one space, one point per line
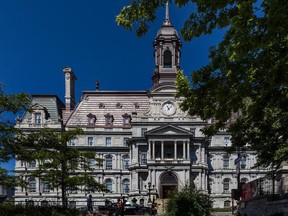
70 79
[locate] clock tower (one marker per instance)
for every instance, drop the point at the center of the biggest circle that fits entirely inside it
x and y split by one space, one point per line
167 46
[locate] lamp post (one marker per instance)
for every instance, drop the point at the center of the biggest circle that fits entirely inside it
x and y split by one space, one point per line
149 192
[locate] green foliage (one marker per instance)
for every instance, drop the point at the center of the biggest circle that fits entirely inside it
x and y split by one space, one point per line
60 165
22 210
188 202
221 209
10 105
247 75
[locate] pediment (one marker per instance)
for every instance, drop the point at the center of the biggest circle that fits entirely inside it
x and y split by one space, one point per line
38 107
167 130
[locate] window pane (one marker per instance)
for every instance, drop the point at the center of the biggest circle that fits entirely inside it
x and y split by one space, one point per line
143 158
37 118
126 186
90 141
109 162
126 162
32 185
108 141
108 184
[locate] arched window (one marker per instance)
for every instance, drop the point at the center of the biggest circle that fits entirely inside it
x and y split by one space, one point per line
32 185
225 162
226 185
126 186
109 160
126 162
167 59
108 185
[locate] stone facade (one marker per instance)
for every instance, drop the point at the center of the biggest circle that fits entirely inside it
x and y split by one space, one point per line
150 147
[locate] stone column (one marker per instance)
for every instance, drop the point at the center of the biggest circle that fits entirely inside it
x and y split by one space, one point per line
162 150
188 150
149 150
184 150
175 150
199 154
202 154
153 147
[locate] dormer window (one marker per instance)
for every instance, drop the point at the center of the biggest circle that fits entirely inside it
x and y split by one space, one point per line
126 119
101 106
118 106
167 59
136 105
38 118
109 120
91 119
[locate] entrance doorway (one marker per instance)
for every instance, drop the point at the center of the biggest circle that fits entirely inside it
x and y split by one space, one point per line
169 185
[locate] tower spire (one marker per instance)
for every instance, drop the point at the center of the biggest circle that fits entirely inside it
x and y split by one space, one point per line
167 20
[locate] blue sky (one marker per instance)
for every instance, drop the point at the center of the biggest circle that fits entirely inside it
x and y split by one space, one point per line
39 38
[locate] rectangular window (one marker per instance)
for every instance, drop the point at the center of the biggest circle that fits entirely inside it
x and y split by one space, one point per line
125 141
226 162
108 141
143 160
32 164
90 141
226 141
46 188
143 131
37 118
72 142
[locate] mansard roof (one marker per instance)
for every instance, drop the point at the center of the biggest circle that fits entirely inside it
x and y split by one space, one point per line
51 104
99 103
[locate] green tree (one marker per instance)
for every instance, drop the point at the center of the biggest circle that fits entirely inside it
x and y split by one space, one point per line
10 105
59 165
246 77
188 202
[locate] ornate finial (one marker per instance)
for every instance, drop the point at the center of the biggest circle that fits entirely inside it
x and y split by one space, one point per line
167 20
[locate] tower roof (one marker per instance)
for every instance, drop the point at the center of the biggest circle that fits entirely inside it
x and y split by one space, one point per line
167 28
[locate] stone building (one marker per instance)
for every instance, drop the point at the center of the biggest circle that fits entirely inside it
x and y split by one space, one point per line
150 147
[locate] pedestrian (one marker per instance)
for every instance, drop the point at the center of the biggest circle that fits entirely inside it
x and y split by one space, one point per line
118 203
90 203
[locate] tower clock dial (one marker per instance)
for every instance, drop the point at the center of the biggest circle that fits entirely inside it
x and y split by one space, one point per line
168 108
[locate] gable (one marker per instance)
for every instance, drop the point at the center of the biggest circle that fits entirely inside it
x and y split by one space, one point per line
167 130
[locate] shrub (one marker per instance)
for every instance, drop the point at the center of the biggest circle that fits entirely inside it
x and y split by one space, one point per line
23 210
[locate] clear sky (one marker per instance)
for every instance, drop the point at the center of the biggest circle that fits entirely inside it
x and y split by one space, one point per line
40 37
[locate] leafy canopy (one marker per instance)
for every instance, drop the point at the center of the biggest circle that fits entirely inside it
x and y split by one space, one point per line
188 202
10 105
246 77
60 165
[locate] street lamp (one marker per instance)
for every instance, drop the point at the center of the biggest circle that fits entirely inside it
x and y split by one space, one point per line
149 191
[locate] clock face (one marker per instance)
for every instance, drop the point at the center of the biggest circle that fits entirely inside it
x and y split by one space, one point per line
168 108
